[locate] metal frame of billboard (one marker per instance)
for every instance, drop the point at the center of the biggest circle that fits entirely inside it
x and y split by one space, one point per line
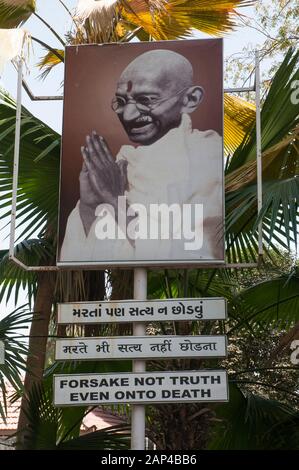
204 264
145 263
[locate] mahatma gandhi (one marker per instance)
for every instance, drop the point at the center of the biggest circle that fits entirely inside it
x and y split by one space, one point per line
154 97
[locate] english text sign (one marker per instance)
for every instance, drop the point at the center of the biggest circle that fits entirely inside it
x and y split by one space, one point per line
147 387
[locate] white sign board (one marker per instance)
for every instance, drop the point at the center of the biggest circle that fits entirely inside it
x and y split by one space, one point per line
142 347
213 308
2 353
147 387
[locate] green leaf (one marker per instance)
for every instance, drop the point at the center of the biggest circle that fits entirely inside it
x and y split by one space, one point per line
16 350
252 422
278 116
58 429
274 302
280 137
12 277
13 12
39 159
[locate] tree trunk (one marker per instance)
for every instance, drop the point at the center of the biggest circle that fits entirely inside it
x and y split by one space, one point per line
182 426
37 349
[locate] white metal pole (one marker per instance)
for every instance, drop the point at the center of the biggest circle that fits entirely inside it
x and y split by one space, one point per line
16 158
19 67
138 411
259 166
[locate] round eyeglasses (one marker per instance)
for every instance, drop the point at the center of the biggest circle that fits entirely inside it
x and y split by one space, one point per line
142 102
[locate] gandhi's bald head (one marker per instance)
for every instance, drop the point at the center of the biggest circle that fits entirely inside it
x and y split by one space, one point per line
152 93
167 68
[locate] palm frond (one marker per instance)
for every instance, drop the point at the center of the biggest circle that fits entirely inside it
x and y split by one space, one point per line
88 367
250 421
49 61
39 156
279 116
93 8
58 429
13 278
11 330
95 22
274 302
106 20
111 438
14 12
175 19
280 162
239 117
280 212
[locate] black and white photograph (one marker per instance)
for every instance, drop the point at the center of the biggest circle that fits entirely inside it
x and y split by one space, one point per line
142 158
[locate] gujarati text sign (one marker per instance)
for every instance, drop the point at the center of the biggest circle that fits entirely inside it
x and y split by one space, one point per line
150 310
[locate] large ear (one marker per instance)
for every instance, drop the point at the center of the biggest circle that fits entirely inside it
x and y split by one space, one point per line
192 98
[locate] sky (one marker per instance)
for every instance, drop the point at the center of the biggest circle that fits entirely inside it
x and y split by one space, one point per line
57 17
51 111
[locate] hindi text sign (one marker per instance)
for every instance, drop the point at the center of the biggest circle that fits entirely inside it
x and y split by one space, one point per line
142 347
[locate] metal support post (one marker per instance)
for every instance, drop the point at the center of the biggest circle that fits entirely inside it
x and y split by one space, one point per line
259 167
138 411
16 158
16 177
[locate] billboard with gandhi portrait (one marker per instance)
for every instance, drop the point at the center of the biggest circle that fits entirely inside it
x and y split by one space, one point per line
142 155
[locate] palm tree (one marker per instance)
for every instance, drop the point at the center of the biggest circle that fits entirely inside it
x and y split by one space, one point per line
40 157
257 316
15 351
15 12
51 428
280 133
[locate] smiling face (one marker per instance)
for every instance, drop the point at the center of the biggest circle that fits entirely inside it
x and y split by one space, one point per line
152 93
